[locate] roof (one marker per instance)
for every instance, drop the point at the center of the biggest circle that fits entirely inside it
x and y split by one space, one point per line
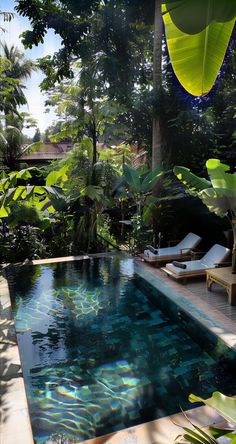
48 151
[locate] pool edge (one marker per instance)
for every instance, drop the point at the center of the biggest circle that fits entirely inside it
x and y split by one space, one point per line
15 425
189 303
146 433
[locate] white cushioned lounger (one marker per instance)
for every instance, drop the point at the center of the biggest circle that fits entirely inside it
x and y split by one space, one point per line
214 257
182 249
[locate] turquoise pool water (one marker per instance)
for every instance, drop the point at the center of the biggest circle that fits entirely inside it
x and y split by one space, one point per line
99 355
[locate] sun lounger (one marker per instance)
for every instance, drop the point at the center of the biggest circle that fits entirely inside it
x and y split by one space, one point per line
213 258
180 251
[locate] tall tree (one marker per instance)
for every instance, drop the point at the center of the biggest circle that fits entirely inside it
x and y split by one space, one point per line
119 24
20 69
157 86
37 135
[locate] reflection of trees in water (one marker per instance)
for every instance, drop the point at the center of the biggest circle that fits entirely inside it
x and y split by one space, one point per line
22 279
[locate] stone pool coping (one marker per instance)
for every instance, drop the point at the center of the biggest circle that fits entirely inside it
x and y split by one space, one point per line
15 426
208 316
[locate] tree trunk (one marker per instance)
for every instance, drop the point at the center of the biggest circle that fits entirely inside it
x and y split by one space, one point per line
157 79
94 138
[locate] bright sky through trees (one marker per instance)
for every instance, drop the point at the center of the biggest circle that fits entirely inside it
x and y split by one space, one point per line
51 44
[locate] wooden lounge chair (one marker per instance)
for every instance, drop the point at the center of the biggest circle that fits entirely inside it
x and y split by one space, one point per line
180 251
215 257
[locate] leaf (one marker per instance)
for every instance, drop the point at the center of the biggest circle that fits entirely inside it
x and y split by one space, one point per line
132 178
151 179
220 178
224 405
193 182
24 174
192 16
197 58
54 176
4 212
55 191
94 192
196 438
218 201
18 192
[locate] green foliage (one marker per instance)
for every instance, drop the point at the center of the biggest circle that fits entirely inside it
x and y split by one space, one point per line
20 69
192 30
11 192
88 189
7 83
226 407
143 184
23 242
219 197
37 136
10 145
24 214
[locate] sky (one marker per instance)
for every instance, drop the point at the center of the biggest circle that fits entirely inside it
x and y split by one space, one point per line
51 44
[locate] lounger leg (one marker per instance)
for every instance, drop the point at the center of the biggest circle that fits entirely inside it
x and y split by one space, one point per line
209 283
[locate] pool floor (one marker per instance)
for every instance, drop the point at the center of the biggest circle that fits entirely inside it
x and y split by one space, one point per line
98 356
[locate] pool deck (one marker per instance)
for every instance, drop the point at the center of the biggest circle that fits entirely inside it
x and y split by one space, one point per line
211 308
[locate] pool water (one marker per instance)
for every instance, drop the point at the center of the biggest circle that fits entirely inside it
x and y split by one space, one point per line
98 355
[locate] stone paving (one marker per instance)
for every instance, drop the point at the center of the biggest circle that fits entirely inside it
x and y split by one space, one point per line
15 425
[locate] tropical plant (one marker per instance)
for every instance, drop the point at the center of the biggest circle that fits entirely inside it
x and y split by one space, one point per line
139 185
10 145
22 242
7 17
193 29
84 110
226 407
11 192
218 194
20 69
88 189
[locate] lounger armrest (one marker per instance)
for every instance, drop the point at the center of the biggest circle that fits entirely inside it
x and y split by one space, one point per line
185 250
170 242
196 254
223 264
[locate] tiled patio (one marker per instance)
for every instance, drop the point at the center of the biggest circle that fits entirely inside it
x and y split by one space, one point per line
214 302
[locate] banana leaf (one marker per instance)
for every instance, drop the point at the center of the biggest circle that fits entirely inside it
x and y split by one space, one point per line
193 182
196 42
224 405
191 16
218 201
132 178
151 179
220 178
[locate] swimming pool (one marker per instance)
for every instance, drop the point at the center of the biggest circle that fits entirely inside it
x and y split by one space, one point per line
99 355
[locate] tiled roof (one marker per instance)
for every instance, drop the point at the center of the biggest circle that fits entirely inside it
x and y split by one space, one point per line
48 151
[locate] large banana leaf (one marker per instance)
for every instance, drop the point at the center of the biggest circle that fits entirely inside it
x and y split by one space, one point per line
220 178
191 16
219 195
224 405
217 201
197 57
193 182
